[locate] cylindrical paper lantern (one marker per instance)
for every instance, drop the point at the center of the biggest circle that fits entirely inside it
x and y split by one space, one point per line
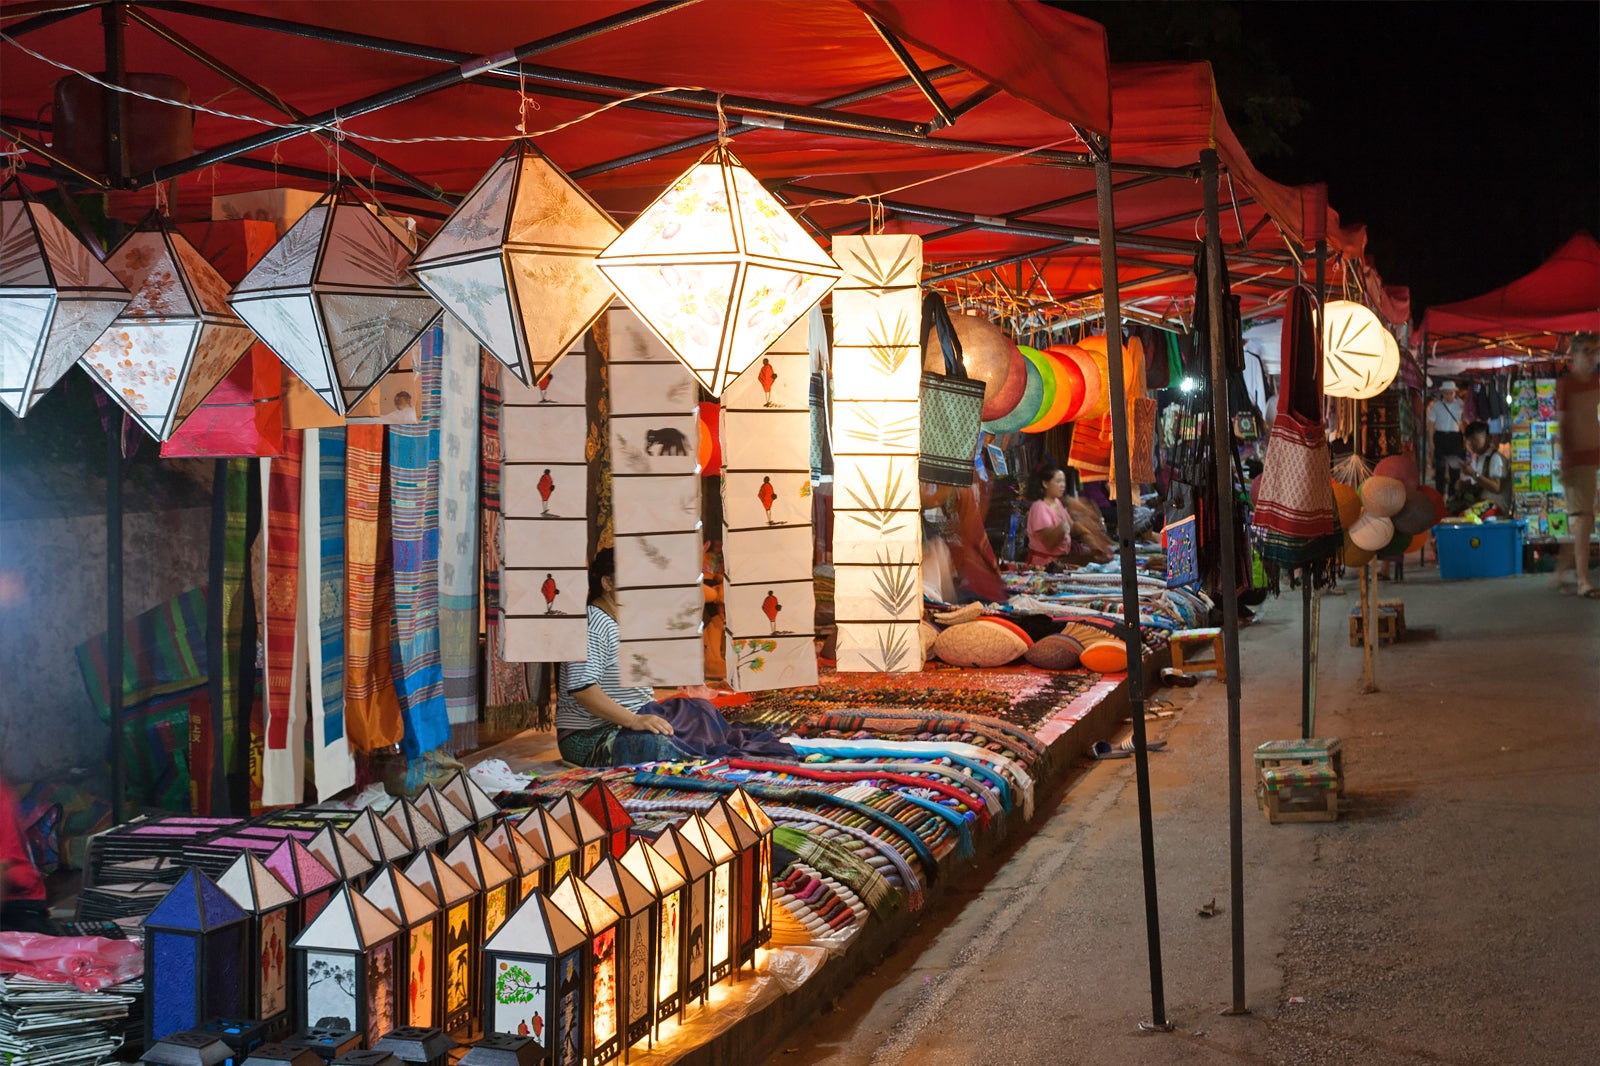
1372 532
1027 407
1100 402
1347 501
990 357
1072 379
1054 414
1416 516
1382 497
1403 468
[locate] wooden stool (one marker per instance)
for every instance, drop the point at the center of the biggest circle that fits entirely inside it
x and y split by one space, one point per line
1399 609
1184 639
1314 751
1388 626
1299 793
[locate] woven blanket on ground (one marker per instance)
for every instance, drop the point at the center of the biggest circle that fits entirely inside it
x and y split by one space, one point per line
1010 775
979 788
1025 747
836 773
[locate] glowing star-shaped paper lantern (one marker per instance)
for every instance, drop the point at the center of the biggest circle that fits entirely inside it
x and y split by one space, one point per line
515 262
177 338
1359 357
335 300
56 299
718 269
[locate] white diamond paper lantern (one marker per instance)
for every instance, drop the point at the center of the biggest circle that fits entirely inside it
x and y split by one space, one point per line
56 298
334 299
718 269
1359 356
176 340
515 262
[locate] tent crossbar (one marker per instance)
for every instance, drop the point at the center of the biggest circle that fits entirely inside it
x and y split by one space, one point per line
49 155
946 117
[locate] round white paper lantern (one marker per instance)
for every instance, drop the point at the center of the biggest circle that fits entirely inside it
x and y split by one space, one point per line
1383 496
1359 357
1371 533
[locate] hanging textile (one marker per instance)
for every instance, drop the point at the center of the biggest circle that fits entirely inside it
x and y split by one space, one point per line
1296 523
654 428
414 497
238 667
321 615
544 484
371 704
458 532
877 530
283 761
766 519
509 695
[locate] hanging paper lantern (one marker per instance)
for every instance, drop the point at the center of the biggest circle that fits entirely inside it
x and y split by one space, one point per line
176 340
1359 357
1416 516
990 357
1354 555
1347 501
1096 400
1371 532
1070 376
1398 545
1068 396
334 299
1382 496
710 439
515 262
1403 468
56 298
1047 377
1440 510
718 269
1027 404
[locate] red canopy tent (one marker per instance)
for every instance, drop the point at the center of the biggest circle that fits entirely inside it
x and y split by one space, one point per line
1527 317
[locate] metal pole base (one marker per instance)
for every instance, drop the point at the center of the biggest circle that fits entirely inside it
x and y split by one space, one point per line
1234 1012
1156 1027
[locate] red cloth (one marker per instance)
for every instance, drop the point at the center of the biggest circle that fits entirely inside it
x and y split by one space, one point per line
22 880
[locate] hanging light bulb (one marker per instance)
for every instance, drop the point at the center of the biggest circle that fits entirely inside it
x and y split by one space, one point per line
718 269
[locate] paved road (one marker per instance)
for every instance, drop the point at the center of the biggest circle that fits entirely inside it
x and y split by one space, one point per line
1451 916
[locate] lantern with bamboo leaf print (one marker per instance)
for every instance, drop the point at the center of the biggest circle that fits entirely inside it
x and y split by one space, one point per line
339 855
458 951
376 839
520 857
668 963
697 833
694 866
606 809
56 299
744 805
582 827
742 837
717 269
533 979
271 906
413 827
194 957
602 1036
631 898
544 831
418 918
348 974
465 794
307 876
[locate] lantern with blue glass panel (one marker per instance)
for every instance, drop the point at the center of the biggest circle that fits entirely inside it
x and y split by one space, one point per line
271 906
533 977
457 948
195 958
668 953
602 1032
347 973
418 917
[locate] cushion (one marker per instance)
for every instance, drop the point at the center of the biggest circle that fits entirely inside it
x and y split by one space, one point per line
978 644
1010 627
930 633
1057 652
1104 657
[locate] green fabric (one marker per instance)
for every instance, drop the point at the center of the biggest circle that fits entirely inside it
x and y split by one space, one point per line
841 863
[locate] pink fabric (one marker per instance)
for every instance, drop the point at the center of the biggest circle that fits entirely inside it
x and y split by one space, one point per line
1042 516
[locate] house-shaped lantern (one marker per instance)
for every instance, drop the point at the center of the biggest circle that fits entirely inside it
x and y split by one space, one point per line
339 855
544 832
458 951
603 805
519 856
335 300
418 917
691 864
56 299
742 837
195 944
307 876
636 938
580 826
413 827
464 792
745 806
176 340
533 979
348 975
449 819
667 965
515 262
698 835
271 906
376 839
602 1034
479 867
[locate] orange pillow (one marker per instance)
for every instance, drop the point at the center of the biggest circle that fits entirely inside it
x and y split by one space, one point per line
1104 657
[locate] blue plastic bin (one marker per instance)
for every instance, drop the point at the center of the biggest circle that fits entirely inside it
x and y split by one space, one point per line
1493 549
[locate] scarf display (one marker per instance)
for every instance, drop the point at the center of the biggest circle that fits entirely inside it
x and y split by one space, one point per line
237 672
510 692
283 760
371 705
458 532
322 601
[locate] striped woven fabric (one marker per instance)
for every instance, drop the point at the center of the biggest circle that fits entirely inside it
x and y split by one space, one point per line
283 762
459 386
508 688
238 655
332 768
371 705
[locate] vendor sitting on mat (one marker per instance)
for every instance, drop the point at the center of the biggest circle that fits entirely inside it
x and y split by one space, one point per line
1049 525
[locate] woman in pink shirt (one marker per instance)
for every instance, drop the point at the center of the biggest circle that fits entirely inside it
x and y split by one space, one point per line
1049 527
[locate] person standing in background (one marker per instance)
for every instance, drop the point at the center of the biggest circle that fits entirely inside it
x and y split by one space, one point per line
1444 419
1577 400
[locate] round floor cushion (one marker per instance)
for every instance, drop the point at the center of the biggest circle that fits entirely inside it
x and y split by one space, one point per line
1055 652
1104 657
980 644
1010 627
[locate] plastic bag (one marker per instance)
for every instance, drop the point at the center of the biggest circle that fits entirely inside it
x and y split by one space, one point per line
89 962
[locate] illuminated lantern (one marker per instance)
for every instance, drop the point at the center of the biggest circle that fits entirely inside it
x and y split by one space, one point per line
710 453
1359 357
544 831
515 262
415 829
698 835
270 904
449 819
582 827
1027 403
457 949
334 299
417 916
480 868
1383 497
472 800
669 963
1066 398
348 975
519 856
340 856
718 269
694 867
745 806
1070 379
636 939
745 843
533 979
377 839
176 340
1372 533
603 804
307 876
990 357
56 299
194 958
602 1033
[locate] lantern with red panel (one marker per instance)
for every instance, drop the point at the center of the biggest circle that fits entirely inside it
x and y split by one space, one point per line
668 963
580 826
419 918
458 951
270 905
636 934
602 1032
603 805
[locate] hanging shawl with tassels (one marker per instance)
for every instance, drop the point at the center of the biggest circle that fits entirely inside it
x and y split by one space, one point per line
1296 523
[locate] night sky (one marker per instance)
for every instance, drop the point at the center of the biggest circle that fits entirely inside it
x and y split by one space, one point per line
1465 136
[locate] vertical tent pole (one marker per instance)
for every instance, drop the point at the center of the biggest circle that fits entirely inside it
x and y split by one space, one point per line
117 164
1120 443
1311 601
1222 440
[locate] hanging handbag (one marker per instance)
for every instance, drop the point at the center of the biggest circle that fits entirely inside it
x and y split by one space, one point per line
952 404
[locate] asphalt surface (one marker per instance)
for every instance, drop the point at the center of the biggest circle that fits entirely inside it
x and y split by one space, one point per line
1449 916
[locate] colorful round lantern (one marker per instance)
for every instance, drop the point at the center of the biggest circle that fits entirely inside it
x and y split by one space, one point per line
1372 532
1053 415
1359 357
1027 406
990 357
1416 516
1047 378
1440 510
1100 402
1403 468
1347 501
1355 555
1072 378
1382 497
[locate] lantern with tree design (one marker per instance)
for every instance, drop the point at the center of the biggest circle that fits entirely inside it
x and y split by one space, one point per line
533 979
348 973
